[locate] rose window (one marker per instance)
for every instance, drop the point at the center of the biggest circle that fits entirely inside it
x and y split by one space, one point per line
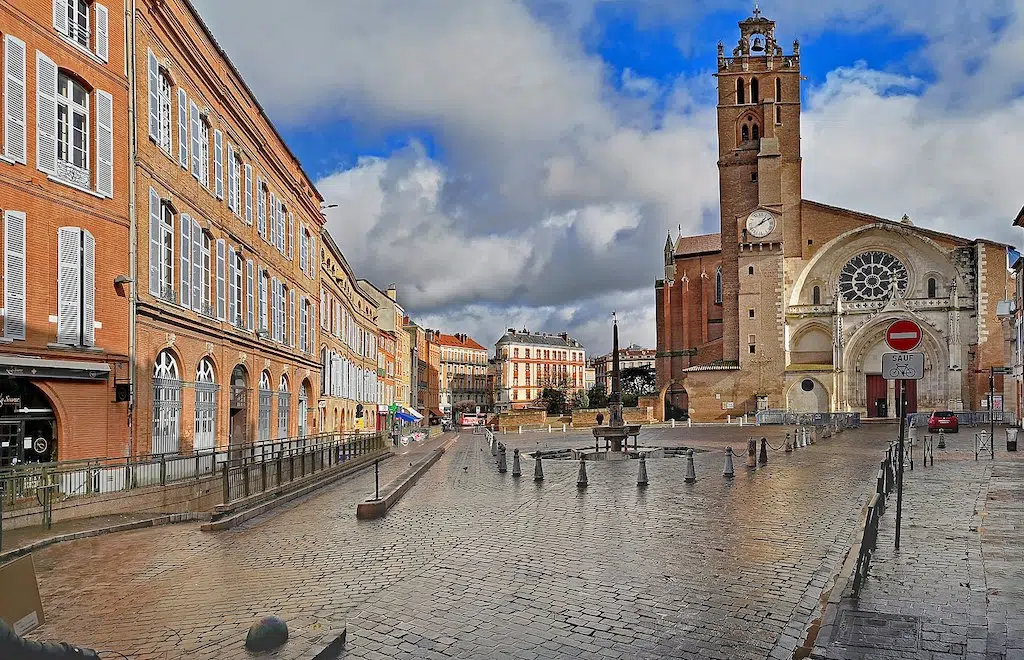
872 276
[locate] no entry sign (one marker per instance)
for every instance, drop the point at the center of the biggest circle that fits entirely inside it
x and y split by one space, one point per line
903 335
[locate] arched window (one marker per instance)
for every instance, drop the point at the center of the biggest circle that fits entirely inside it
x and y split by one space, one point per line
756 132
266 394
166 404
778 90
816 295
283 408
741 92
206 407
303 408
745 133
931 287
754 92
718 286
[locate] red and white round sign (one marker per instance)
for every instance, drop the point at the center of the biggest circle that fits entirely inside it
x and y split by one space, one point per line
903 335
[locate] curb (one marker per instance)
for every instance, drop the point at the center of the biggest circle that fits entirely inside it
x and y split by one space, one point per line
242 516
374 509
86 533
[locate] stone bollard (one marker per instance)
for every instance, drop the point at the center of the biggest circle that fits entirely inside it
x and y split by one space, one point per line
691 475
763 458
641 475
494 448
502 463
789 445
728 472
538 470
549 428
520 429
673 422
751 453
689 423
563 427
581 480
803 441
517 469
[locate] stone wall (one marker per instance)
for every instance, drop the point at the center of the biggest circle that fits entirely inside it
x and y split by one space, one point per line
587 417
525 418
656 406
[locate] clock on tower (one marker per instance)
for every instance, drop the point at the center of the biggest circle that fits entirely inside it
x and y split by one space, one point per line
760 223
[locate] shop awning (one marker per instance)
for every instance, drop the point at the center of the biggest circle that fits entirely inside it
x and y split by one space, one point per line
434 412
27 367
407 414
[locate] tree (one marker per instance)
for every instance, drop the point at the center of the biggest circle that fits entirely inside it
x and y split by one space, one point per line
555 400
639 381
581 401
598 397
464 406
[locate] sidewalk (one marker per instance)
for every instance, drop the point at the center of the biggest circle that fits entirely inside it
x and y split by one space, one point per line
955 589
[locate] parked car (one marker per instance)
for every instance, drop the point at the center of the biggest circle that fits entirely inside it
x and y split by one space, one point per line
944 420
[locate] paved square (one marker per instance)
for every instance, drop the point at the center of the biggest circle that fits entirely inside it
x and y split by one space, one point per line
476 564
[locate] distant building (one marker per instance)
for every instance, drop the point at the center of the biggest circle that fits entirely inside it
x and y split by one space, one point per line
463 373
527 362
632 356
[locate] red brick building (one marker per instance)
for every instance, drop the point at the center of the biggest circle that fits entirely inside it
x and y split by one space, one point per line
65 228
228 251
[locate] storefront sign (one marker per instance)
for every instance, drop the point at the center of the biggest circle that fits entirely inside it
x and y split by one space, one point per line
8 400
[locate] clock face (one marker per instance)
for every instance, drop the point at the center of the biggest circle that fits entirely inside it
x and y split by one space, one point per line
760 224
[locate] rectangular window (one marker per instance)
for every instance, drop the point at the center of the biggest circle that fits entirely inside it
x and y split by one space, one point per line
236 172
238 288
263 292
194 122
303 251
76 287
185 246
248 193
163 110
233 299
750 270
204 152
205 271
753 348
750 313
166 252
72 131
272 220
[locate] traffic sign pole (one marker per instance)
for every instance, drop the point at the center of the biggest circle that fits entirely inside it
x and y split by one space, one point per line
901 387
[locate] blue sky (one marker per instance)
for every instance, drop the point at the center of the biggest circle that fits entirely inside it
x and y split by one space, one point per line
519 162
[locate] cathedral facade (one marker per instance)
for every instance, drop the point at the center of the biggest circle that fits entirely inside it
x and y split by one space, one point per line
787 306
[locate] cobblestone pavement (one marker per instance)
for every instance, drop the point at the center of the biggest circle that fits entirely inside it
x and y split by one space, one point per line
955 589
475 564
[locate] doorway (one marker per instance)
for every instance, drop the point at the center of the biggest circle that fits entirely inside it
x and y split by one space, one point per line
911 398
238 432
28 426
877 396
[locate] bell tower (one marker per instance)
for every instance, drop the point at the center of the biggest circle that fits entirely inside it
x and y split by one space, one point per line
758 162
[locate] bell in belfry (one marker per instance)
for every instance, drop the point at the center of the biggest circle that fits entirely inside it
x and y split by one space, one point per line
757 46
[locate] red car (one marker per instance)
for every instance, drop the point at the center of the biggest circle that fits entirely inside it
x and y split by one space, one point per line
944 420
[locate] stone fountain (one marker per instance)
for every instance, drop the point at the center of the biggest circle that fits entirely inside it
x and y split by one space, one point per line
616 433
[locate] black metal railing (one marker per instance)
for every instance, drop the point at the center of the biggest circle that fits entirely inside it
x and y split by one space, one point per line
274 464
885 482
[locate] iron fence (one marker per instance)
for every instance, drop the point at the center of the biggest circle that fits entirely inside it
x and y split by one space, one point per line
839 420
967 418
885 482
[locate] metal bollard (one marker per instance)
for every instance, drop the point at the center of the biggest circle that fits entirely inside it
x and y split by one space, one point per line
517 469
673 423
728 472
809 435
728 419
494 448
581 479
549 428
538 470
942 439
763 458
691 475
563 427
520 429
502 464
789 445
641 475
803 441
689 423
751 453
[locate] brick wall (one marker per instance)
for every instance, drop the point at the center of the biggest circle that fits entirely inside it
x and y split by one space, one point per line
525 418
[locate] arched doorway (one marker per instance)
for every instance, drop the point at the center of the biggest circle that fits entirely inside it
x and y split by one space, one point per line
205 437
284 405
676 401
266 400
26 417
304 394
166 404
238 430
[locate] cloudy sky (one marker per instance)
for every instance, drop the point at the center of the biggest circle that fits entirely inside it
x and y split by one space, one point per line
519 162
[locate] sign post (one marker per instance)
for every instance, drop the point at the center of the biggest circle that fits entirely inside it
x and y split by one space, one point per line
902 336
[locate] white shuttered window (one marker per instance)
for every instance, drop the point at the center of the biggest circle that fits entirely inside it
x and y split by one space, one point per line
14 274
76 287
221 279
14 99
183 128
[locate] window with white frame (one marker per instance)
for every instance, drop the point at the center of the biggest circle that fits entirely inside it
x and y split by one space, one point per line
266 395
206 407
283 408
206 269
204 151
166 251
166 404
84 23
237 288
261 207
73 129
236 188
163 103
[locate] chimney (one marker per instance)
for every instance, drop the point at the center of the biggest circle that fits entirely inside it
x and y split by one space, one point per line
393 292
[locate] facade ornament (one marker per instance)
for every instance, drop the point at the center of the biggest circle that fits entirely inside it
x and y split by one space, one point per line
209 348
266 363
171 338
242 357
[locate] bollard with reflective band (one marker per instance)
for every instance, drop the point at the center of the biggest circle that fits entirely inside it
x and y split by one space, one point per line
942 439
502 464
538 470
641 475
763 458
581 479
691 475
751 453
789 445
728 472
517 470
803 441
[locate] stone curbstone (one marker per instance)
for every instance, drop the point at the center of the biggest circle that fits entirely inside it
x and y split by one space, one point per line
373 509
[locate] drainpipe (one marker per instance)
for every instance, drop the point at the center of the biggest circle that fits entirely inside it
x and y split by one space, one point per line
133 242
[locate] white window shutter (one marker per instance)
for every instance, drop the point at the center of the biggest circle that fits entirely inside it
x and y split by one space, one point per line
14 99
250 310
194 134
291 235
302 323
272 219
220 279
69 270
232 299
182 128
313 260
154 242
273 308
154 96
280 228
291 317
197 266
261 207
218 162
14 274
231 176
102 39
104 143
60 16
303 252
88 289
46 114
248 193
186 260
261 291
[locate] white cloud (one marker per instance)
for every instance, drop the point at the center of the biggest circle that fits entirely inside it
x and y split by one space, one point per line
551 205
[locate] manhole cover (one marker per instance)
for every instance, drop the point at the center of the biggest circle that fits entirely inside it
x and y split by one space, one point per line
877 630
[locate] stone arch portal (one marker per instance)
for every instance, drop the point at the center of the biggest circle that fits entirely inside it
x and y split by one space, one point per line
673 401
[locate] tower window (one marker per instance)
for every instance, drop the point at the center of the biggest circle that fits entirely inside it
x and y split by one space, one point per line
745 133
778 114
753 348
816 295
931 287
753 177
778 90
754 95
750 270
718 286
750 313
741 92
756 132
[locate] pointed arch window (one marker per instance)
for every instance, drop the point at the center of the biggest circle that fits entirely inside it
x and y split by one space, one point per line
718 286
816 295
741 92
755 132
206 407
755 95
745 133
166 404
